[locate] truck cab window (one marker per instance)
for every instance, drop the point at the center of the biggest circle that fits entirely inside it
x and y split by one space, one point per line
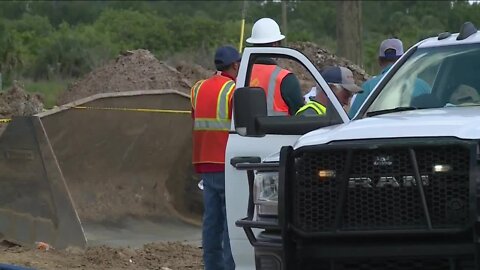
433 78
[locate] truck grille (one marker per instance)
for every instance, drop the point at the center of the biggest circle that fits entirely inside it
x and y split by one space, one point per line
380 189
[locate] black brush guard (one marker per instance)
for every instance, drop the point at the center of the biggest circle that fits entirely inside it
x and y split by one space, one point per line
250 165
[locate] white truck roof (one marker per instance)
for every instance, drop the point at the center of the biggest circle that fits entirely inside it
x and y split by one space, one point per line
451 40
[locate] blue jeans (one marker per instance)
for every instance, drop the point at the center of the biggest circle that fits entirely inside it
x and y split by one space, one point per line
217 254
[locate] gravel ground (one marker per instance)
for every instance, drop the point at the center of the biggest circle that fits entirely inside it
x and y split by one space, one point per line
161 256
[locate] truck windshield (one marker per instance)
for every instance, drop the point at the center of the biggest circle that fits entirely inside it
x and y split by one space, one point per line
432 78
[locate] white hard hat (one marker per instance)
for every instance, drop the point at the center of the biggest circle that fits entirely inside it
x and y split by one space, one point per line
265 31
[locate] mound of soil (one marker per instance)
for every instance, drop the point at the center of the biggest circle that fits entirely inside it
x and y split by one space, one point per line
161 256
193 72
140 70
132 70
321 58
17 102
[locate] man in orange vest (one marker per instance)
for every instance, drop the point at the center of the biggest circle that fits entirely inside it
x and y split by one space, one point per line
282 88
212 114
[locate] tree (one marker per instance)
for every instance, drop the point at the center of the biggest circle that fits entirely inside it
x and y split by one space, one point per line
11 57
57 39
349 30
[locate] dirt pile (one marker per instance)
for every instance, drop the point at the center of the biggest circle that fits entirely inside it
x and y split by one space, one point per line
322 58
17 102
161 256
132 70
193 72
140 70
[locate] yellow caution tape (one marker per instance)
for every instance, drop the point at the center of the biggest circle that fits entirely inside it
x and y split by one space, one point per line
7 120
131 109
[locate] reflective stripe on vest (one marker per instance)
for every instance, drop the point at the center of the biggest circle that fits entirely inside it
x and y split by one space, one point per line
222 107
221 122
194 93
271 91
211 124
317 107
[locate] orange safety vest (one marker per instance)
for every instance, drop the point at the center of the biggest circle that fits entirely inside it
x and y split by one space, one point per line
211 103
269 77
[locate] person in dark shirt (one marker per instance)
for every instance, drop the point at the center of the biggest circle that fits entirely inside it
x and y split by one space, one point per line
282 87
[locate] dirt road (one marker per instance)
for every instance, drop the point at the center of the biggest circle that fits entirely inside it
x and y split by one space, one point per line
161 256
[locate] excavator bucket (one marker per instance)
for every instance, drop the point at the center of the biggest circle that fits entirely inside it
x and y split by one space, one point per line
99 161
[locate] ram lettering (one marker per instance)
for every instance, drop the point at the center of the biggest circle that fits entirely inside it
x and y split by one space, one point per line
386 181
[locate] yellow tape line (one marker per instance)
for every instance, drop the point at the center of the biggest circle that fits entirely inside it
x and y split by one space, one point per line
132 109
7 120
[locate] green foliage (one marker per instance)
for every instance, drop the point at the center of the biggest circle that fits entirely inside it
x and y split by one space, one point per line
11 52
131 29
48 90
58 40
12 9
71 52
321 22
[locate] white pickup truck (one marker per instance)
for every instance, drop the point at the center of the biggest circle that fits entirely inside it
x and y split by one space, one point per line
396 187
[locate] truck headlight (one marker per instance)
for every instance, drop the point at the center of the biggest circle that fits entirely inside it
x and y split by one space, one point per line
265 190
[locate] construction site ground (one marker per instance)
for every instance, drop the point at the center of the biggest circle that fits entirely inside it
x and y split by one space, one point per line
161 256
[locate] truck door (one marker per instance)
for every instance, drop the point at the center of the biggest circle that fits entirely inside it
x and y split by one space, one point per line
279 131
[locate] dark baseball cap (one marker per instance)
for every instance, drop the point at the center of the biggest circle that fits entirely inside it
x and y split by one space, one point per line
342 76
225 56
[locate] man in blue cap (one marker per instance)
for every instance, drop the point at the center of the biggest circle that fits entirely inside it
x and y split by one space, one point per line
389 52
340 80
212 113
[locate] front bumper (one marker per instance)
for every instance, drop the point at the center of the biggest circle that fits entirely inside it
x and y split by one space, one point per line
267 244
274 252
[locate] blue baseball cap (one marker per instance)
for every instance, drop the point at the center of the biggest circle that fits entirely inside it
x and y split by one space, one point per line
225 56
342 76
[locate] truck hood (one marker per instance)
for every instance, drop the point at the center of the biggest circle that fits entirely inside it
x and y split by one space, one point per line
460 122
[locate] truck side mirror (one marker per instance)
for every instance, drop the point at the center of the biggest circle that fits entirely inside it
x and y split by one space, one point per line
248 103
